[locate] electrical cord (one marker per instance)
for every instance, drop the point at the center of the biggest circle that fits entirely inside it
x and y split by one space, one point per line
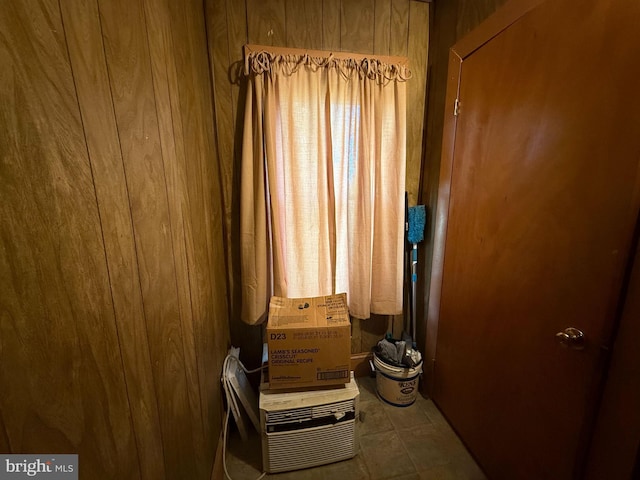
226 385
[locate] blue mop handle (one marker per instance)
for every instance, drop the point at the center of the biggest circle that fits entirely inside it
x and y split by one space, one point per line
414 263
414 290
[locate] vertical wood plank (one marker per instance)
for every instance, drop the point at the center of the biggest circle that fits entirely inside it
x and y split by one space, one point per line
227 31
4 436
165 86
219 30
238 35
331 25
63 388
238 31
211 323
472 12
304 23
398 326
399 27
218 41
192 115
417 53
266 22
372 330
128 60
86 50
356 336
382 27
356 26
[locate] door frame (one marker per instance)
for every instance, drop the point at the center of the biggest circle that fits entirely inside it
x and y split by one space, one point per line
504 17
620 389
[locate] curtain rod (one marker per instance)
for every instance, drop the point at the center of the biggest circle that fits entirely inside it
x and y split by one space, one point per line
249 49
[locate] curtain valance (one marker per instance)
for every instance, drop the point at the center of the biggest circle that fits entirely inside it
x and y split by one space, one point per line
260 60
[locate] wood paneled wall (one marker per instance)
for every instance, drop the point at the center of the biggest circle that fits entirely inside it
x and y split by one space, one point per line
385 27
113 291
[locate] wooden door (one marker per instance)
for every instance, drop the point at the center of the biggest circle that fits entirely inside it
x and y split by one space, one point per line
539 197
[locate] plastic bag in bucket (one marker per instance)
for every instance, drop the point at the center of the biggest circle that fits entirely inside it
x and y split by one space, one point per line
396 385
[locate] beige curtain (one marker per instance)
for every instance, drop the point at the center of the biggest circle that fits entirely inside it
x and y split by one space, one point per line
323 180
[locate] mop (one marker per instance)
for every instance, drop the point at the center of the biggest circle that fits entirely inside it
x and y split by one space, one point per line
404 352
415 218
415 234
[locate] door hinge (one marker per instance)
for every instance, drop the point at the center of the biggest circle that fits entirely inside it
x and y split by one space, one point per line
456 107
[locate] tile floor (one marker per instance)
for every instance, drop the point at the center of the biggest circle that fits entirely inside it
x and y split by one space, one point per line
406 443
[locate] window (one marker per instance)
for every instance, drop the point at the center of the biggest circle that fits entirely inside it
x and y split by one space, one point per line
323 182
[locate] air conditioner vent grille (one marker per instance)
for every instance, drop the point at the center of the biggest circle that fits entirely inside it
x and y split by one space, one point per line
291 415
333 408
310 447
307 413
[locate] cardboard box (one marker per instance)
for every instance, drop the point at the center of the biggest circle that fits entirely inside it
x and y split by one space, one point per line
309 341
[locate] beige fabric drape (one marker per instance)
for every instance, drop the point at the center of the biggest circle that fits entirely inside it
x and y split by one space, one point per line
322 184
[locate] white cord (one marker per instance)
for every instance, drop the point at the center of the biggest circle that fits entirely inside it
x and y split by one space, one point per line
226 384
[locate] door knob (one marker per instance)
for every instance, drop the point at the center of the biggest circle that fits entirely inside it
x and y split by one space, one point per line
572 338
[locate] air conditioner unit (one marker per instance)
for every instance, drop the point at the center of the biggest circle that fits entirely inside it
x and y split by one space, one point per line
308 428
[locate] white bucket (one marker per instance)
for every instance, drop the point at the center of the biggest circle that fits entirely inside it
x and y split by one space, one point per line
397 385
